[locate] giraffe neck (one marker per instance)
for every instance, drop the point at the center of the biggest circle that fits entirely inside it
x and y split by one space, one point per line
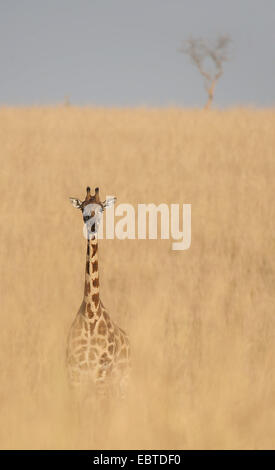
91 290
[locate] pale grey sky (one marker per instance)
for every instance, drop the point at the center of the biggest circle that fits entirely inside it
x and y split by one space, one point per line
125 52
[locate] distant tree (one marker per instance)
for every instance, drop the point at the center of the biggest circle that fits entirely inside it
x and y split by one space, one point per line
201 52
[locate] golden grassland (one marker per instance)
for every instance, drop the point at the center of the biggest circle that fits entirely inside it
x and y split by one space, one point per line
201 321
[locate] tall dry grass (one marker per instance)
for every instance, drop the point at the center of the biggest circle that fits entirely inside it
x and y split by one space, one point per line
201 321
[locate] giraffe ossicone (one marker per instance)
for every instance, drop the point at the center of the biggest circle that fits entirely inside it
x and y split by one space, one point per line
98 351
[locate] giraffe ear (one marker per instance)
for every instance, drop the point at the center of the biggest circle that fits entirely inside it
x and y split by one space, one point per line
109 202
75 202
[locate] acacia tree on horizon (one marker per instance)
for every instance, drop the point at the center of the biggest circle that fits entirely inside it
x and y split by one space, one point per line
199 50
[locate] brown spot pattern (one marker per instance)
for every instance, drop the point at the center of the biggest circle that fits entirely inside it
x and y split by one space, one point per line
102 328
105 359
99 311
96 282
92 327
82 307
101 342
94 249
87 288
106 316
89 310
116 344
95 298
111 337
95 266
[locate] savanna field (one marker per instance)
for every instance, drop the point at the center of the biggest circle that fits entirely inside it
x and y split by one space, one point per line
201 322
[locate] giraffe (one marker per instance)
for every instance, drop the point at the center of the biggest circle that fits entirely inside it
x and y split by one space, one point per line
98 352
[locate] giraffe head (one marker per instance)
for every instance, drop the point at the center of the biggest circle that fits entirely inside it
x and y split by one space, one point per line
92 209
